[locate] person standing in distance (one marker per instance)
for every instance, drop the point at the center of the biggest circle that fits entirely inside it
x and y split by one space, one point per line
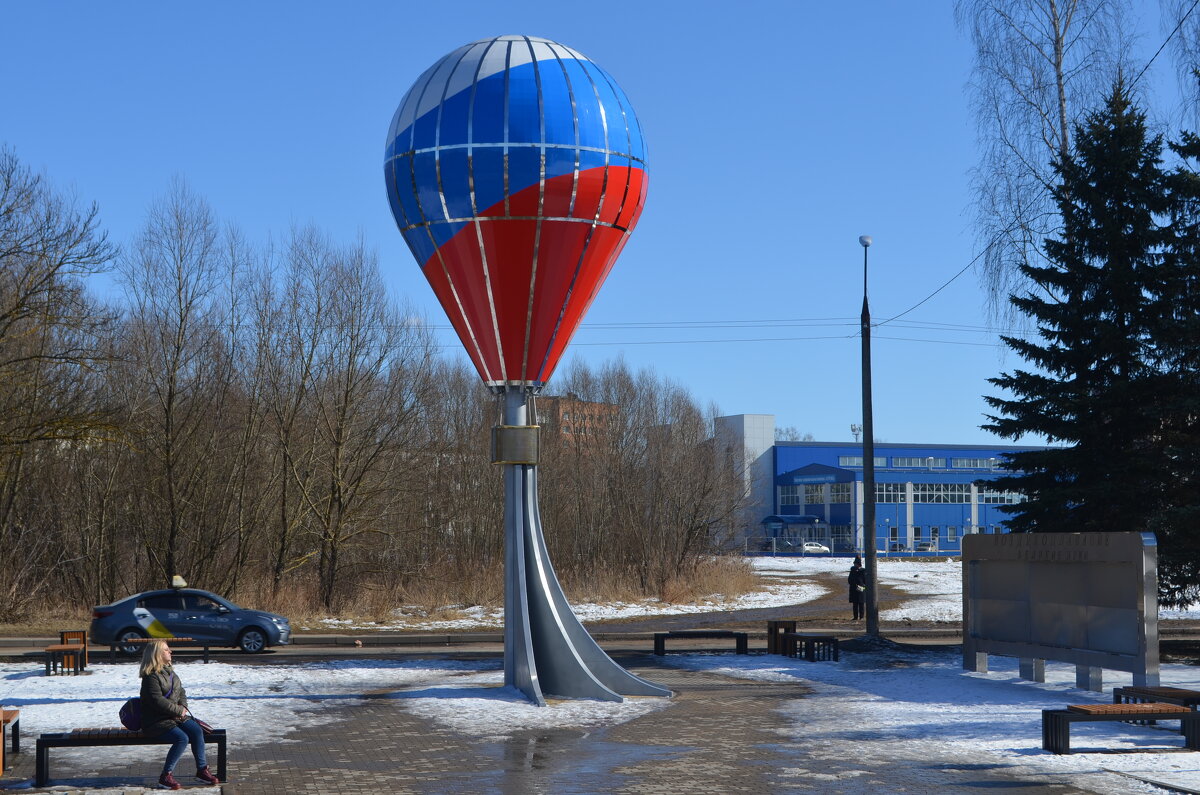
858 589
165 712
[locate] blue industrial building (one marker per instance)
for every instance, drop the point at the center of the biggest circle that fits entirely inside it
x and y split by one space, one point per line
927 496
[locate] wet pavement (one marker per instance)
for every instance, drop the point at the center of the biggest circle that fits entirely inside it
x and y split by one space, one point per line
717 735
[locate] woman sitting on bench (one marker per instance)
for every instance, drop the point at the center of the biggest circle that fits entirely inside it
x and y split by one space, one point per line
165 712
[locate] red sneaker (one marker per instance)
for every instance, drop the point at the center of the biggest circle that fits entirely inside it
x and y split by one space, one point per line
205 775
167 781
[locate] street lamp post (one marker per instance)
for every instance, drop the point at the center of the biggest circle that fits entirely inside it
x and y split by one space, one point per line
868 424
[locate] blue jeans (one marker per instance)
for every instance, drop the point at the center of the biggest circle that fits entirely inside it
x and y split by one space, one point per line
187 732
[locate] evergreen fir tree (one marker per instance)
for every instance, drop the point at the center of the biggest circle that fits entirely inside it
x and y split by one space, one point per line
1090 383
1176 357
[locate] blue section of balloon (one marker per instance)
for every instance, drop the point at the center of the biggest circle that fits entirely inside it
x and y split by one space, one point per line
473 109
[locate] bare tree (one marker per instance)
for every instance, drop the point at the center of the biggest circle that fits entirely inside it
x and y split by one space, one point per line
344 374
1181 24
646 494
179 371
1039 64
51 357
790 433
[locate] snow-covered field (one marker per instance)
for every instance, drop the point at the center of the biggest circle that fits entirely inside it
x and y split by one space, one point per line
920 706
935 586
484 618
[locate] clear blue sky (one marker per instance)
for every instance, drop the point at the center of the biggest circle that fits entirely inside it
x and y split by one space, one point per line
778 133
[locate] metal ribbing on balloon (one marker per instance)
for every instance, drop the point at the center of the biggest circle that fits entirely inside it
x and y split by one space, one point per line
516 170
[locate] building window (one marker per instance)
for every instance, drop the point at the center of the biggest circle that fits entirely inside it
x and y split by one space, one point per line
951 534
814 494
934 534
974 463
989 497
789 495
926 462
916 534
857 460
839 492
890 492
942 493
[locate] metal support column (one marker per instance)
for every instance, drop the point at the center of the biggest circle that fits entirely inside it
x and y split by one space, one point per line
546 650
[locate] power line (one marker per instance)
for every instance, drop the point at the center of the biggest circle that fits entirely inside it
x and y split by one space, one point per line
946 284
777 323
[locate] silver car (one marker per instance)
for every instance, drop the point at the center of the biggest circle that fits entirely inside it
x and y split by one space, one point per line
187 613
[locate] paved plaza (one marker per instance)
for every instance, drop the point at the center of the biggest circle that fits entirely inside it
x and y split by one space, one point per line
717 735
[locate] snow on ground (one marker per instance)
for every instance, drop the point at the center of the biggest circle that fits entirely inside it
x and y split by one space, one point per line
917 707
485 618
922 705
935 585
263 704
892 707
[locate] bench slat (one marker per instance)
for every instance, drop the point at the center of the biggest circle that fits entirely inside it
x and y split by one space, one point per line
1126 709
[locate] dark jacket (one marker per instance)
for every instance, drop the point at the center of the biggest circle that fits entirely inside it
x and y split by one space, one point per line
160 712
858 576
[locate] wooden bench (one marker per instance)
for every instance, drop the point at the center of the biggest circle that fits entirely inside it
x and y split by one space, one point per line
63 656
816 648
9 718
1056 723
775 630
80 738
660 638
174 643
1141 694
77 637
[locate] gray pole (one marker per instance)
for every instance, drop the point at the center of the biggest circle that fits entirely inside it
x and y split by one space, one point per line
868 517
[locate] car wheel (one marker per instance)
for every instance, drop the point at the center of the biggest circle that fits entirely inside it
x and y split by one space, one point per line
252 640
130 634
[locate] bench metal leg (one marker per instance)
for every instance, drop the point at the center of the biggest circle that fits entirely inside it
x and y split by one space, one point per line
16 736
220 740
660 645
42 765
1190 728
742 644
1056 732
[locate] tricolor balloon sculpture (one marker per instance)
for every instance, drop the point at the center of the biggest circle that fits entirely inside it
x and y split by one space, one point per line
516 170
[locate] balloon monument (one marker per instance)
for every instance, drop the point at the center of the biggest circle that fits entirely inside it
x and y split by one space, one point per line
516 170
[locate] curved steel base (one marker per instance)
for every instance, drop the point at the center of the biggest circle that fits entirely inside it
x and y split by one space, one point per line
546 650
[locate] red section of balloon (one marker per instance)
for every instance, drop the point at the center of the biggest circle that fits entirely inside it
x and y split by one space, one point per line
516 282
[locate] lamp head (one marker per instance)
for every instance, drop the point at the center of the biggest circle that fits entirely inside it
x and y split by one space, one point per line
864 241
